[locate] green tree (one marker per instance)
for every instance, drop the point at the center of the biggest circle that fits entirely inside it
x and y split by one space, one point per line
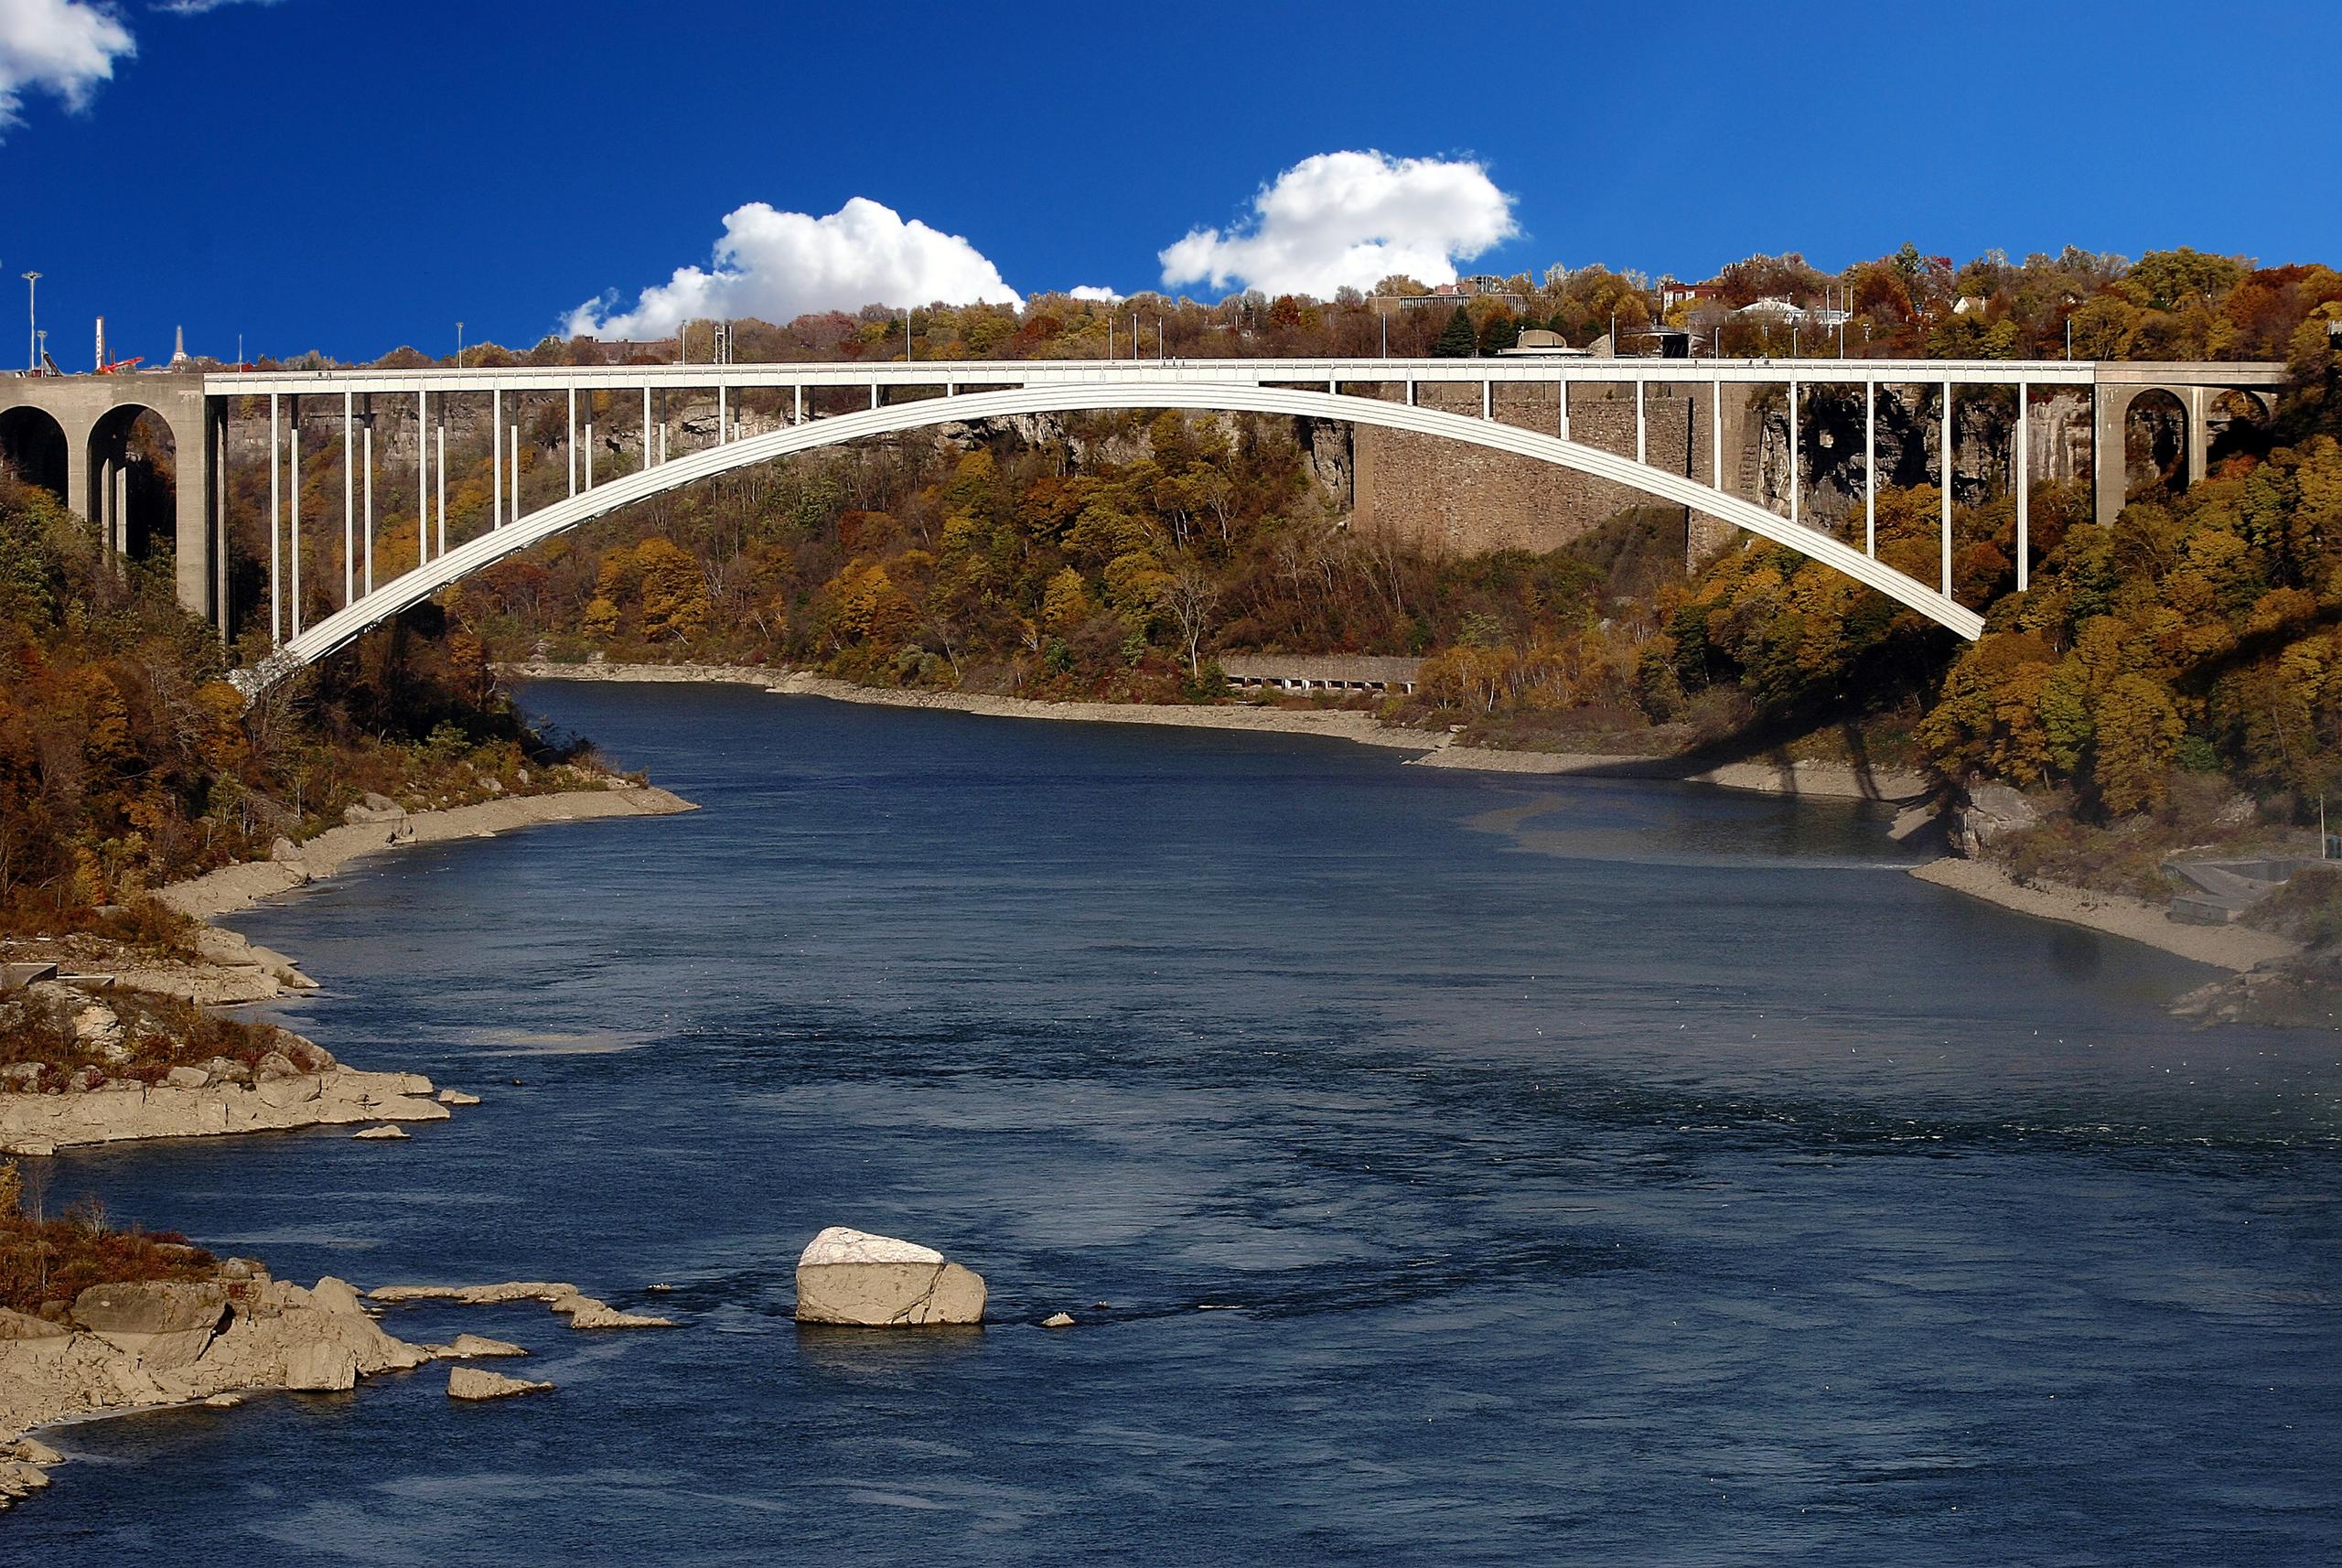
1502 332
1458 340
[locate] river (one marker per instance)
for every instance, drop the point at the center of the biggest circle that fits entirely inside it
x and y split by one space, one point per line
1442 1169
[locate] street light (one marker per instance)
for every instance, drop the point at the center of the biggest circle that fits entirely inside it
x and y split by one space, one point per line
32 325
459 345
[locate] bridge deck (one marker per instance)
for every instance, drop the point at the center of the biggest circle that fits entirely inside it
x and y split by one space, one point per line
1256 372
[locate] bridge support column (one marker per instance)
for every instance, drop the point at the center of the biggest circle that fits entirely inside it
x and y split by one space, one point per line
496 453
1870 468
2197 401
422 478
2110 407
1561 399
1642 424
572 448
77 470
370 503
192 527
223 611
275 530
292 597
349 505
2023 487
1945 466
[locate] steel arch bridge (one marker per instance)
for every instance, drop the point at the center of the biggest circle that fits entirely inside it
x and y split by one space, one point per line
197 409
419 583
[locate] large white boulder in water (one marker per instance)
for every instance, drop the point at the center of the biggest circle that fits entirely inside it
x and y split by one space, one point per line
880 1282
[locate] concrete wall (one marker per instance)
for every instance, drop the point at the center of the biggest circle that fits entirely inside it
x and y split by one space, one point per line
1465 500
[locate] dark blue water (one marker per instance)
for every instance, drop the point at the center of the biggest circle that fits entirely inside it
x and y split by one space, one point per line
1472 1172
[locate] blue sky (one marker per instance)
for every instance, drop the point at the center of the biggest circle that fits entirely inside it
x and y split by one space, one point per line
351 176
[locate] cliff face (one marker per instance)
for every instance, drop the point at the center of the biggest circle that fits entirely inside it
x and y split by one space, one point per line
1909 433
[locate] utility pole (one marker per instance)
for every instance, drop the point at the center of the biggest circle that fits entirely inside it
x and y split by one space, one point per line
459 345
32 323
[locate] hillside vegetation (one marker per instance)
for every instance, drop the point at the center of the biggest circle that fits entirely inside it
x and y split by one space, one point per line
127 761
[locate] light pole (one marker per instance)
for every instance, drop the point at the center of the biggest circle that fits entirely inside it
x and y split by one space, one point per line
459 345
32 323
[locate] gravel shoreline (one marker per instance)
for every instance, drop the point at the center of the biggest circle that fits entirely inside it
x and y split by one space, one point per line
2228 946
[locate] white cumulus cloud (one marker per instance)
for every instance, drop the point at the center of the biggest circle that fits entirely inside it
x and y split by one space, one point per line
778 265
1350 219
1092 291
61 46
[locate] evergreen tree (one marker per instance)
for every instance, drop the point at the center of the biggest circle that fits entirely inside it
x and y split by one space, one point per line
1502 332
1458 341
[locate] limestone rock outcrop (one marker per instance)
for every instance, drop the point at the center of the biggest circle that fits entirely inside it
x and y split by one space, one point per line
1993 812
479 1383
32 1122
175 1343
581 1310
848 1277
468 1346
164 1323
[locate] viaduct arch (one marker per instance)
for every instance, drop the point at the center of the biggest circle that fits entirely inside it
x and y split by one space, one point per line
90 417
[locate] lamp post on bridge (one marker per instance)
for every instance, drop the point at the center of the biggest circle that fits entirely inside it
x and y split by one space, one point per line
459 345
32 325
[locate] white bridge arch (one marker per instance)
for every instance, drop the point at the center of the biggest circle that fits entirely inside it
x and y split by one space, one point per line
461 561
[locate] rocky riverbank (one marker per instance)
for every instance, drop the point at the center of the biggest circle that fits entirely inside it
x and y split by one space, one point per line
119 1066
386 827
120 1348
